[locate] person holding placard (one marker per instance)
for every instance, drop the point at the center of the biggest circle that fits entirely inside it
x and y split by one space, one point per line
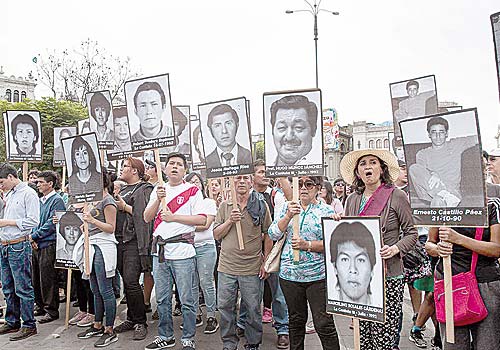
176 209
44 258
305 282
459 243
21 215
372 174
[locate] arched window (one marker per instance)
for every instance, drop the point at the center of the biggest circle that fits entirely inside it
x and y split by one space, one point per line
23 95
16 96
8 95
342 147
371 144
386 143
379 143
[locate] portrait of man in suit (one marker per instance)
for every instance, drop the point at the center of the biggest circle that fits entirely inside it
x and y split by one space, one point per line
223 124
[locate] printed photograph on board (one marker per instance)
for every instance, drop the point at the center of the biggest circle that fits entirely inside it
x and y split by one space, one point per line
61 133
495 26
69 230
181 132
23 136
197 153
100 110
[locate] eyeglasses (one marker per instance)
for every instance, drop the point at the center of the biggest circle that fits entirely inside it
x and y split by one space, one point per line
339 184
309 184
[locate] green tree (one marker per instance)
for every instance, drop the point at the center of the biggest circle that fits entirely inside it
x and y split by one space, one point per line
259 150
53 114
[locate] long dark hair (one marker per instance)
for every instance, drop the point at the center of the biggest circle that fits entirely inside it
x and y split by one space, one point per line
190 176
359 185
77 143
329 192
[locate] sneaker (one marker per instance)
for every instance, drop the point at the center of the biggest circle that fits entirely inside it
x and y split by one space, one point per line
125 327
159 343
188 344
212 325
177 311
123 301
106 339
436 342
87 321
80 315
417 338
251 346
310 328
91 332
47 318
23 333
267 316
140 332
155 315
199 322
5 328
283 341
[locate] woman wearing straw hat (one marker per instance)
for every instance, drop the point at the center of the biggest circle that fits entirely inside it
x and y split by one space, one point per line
372 173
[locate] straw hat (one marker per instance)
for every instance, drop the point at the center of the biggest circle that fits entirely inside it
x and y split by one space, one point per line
348 163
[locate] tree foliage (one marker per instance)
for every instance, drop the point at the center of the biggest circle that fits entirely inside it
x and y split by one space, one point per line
71 73
53 114
259 150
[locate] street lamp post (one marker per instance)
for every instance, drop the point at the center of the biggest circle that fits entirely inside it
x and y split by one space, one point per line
314 10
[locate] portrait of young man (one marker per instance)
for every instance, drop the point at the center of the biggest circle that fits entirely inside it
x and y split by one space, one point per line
150 112
101 121
26 135
61 133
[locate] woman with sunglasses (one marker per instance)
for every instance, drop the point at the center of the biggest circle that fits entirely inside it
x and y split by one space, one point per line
304 282
372 173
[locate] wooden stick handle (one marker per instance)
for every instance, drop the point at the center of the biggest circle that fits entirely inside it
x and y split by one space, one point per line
160 175
239 232
357 336
25 171
63 182
86 242
296 228
68 297
448 299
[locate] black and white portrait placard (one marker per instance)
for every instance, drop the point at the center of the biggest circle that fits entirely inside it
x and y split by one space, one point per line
122 146
197 153
181 132
398 151
100 110
413 98
61 133
495 26
226 137
150 112
84 126
354 268
83 164
293 134
69 230
445 169
23 141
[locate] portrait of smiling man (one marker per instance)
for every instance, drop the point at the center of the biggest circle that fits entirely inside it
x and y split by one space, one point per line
223 123
294 121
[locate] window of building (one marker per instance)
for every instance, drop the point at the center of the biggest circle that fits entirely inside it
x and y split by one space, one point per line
359 144
371 144
379 143
8 95
16 96
23 95
386 143
342 147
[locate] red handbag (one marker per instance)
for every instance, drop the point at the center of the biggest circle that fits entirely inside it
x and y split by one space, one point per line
468 305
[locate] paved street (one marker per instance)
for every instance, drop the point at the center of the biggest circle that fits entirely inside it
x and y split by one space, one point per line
53 336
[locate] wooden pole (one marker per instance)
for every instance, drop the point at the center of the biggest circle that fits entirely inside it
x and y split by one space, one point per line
448 299
296 228
86 242
68 301
239 232
357 336
25 171
160 175
102 156
63 182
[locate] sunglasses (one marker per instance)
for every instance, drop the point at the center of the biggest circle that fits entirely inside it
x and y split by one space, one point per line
309 184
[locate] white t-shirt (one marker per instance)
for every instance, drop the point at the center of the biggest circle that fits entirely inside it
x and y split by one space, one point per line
183 199
207 236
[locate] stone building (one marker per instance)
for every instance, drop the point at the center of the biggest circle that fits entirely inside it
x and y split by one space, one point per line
370 135
16 89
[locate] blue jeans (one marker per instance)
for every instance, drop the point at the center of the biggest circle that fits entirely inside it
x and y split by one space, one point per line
184 273
102 288
280 310
206 255
251 289
17 285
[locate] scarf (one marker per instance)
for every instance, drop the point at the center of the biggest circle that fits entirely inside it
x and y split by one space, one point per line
377 201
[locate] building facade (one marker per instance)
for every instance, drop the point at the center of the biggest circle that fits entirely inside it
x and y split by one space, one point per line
370 135
16 89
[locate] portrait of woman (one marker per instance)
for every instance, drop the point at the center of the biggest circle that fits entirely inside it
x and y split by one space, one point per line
69 229
85 174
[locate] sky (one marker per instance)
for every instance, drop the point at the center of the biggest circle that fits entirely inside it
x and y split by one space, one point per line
222 49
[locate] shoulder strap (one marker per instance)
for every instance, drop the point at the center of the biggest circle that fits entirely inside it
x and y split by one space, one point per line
479 237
